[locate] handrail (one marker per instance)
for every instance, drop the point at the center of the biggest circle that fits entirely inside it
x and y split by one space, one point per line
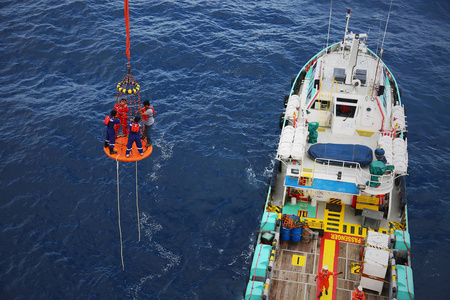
390 74
309 61
376 184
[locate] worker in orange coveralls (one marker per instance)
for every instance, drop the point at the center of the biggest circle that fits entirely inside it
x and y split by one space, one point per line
122 112
358 294
323 282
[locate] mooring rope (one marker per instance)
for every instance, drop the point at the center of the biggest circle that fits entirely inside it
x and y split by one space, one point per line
118 211
137 206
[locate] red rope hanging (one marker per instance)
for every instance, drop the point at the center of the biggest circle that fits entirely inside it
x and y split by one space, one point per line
127 25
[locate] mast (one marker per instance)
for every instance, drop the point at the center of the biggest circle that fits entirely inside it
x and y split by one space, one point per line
348 20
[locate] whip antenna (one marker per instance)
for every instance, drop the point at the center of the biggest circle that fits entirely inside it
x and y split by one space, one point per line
381 50
329 23
385 28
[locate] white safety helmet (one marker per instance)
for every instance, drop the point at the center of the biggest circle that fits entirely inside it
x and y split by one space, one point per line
360 288
325 267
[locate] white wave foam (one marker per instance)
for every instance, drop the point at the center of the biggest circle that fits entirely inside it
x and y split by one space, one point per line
150 227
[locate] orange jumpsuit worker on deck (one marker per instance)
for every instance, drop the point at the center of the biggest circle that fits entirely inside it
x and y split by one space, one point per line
358 294
323 282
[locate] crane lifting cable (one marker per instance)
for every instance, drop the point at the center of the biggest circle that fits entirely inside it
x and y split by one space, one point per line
128 103
124 141
127 26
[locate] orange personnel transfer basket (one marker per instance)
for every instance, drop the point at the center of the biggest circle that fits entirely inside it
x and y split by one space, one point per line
121 148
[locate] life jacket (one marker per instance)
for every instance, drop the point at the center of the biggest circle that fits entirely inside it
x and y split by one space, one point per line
107 119
144 116
135 127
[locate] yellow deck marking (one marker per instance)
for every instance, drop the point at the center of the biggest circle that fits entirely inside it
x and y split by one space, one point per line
329 251
338 216
337 223
365 132
335 201
356 268
368 206
382 230
298 260
356 230
314 223
397 226
367 200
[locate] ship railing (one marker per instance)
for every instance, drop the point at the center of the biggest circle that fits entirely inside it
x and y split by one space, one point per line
347 171
335 169
376 184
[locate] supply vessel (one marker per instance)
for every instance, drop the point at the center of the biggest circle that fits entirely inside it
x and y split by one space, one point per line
337 202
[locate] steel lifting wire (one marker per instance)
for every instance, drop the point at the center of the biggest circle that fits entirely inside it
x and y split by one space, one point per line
128 89
118 214
137 206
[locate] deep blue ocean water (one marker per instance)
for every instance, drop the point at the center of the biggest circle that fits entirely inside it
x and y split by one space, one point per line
216 73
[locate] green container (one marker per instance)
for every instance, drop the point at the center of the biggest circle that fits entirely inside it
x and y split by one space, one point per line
267 237
271 221
256 293
405 283
400 242
263 261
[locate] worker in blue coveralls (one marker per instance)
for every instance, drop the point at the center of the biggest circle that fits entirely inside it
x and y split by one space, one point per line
134 136
110 140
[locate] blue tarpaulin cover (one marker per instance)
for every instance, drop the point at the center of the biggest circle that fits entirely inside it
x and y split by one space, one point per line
337 153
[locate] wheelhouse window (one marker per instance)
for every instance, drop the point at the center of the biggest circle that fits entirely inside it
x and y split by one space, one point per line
345 111
346 107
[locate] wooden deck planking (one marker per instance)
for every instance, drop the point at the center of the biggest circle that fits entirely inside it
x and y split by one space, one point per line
285 290
291 281
343 294
298 246
284 262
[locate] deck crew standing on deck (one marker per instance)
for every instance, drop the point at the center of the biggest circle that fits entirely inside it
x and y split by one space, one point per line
323 282
134 136
122 111
110 139
358 294
147 113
